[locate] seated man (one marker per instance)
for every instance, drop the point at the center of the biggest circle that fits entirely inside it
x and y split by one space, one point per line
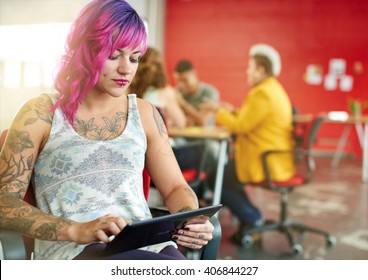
264 122
194 92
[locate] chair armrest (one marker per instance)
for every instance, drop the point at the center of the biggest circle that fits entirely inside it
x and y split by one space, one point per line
12 245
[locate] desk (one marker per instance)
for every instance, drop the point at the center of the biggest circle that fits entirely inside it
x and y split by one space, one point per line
304 118
361 126
214 133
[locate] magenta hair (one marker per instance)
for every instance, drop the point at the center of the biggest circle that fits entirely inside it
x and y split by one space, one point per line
101 27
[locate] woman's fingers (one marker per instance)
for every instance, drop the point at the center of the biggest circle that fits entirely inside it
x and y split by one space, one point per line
191 243
194 236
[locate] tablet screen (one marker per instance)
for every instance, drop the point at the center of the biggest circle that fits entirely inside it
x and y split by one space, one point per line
156 230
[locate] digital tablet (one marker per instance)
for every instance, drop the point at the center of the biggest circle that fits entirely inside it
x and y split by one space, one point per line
156 230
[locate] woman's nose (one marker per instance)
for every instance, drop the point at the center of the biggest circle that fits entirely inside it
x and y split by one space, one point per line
124 66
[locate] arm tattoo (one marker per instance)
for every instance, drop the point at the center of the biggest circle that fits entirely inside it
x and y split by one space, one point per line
191 193
49 231
16 167
15 172
42 110
166 149
28 220
185 208
159 122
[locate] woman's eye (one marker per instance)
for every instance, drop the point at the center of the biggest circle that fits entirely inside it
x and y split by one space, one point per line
134 59
114 57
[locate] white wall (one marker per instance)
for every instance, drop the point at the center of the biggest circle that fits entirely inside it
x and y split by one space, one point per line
19 12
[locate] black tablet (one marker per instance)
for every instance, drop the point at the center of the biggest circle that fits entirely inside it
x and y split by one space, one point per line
156 230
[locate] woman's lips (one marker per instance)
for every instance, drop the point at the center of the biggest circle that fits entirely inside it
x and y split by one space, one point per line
121 82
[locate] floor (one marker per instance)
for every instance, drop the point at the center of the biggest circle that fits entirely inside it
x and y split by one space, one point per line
336 201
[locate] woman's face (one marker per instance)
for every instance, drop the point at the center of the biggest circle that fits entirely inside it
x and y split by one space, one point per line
254 74
118 72
187 81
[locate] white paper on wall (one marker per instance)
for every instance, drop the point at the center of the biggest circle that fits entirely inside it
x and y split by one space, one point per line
337 67
313 75
346 83
330 82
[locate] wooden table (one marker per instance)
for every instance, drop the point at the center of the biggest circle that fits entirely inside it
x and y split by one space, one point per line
214 133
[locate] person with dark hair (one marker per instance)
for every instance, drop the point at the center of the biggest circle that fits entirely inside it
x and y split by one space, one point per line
85 149
194 92
264 122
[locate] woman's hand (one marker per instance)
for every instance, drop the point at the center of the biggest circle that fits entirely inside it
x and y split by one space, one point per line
213 106
99 229
195 233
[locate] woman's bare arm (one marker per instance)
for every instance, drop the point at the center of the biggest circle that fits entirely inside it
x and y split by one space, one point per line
26 137
162 165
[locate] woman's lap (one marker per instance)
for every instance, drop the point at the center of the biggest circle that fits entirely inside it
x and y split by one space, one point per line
95 252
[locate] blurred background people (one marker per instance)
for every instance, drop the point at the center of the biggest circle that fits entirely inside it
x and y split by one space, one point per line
194 91
264 122
150 83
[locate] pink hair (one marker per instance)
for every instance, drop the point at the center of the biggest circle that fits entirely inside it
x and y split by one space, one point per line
101 27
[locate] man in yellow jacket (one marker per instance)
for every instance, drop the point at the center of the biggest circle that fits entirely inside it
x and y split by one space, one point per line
264 122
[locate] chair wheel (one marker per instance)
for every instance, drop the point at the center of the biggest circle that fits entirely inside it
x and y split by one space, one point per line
331 240
247 241
296 249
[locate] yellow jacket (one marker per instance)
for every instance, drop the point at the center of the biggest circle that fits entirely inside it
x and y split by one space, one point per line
264 122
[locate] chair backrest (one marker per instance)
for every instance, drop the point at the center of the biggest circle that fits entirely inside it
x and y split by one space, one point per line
311 131
306 149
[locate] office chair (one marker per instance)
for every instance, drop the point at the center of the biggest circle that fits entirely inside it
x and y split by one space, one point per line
14 246
304 158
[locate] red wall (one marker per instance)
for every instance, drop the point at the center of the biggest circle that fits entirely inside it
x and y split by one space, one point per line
216 36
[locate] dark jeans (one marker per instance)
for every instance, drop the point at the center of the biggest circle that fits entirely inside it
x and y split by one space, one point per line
95 252
235 197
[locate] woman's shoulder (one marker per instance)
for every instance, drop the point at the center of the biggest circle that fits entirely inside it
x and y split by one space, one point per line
40 106
145 108
45 101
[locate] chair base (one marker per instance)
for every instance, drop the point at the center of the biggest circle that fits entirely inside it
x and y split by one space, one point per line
288 228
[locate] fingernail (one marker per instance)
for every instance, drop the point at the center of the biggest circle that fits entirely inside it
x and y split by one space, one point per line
187 228
174 238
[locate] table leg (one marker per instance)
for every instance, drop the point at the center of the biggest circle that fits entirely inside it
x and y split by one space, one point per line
360 132
341 145
221 162
365 154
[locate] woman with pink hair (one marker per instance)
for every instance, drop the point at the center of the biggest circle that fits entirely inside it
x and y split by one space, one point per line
84 149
